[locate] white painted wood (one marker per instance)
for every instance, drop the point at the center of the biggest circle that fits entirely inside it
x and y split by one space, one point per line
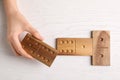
63 18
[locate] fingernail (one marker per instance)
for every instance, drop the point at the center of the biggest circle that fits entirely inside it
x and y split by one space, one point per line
40 37
31 57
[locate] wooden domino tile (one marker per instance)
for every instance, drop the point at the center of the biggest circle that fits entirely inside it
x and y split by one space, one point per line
39 50
101 48
74 46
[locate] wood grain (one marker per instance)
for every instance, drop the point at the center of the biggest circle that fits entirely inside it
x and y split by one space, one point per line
39 50
74 46
101 48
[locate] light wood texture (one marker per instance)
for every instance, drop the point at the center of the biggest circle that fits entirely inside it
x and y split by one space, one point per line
74 46
39 50
84 46
66 46
101 48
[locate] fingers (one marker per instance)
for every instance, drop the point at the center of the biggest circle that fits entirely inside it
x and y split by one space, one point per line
35 33
13 49
18 54
14 40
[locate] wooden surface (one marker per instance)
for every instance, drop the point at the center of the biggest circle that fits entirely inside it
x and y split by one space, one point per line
74 46
101 48
39 50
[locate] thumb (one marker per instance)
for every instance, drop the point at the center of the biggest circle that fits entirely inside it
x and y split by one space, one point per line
35 33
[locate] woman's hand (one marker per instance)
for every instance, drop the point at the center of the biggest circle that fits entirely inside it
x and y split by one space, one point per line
16 25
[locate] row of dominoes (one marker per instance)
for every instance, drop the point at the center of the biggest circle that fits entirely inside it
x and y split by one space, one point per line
98 47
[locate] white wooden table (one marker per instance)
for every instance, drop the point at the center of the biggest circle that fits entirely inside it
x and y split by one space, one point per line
63 18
